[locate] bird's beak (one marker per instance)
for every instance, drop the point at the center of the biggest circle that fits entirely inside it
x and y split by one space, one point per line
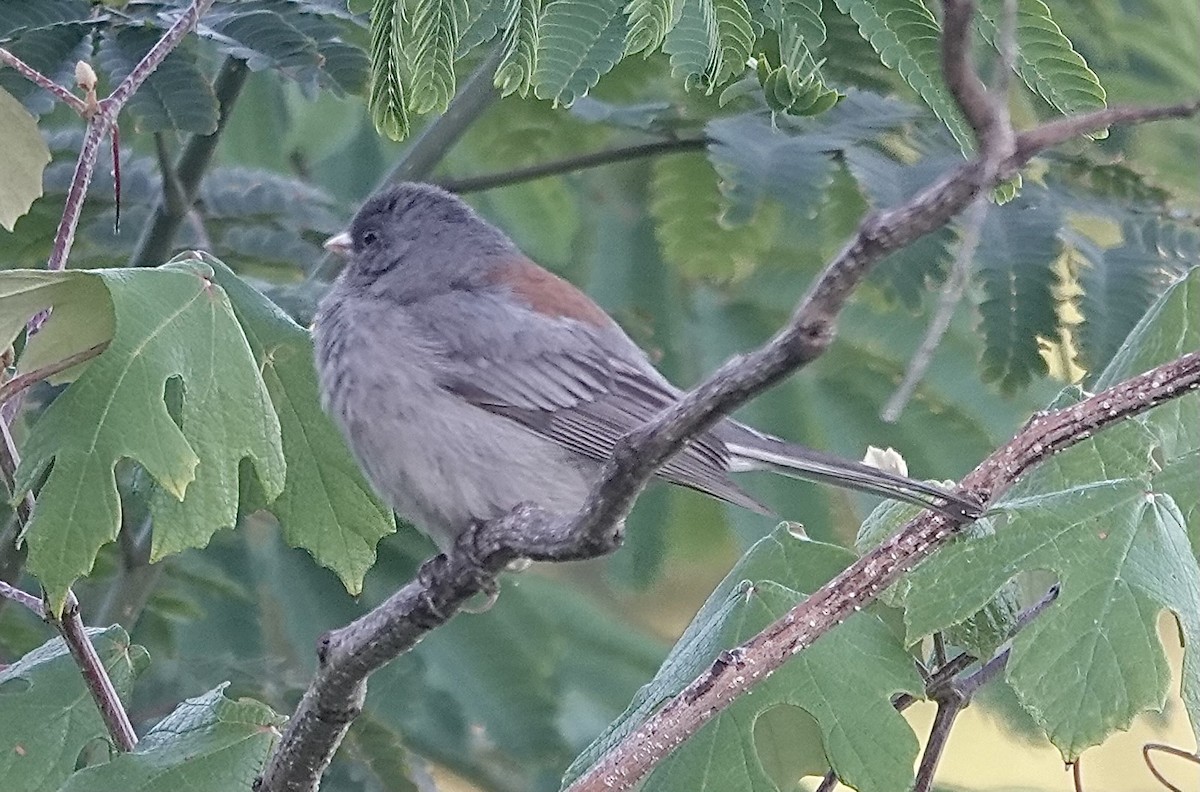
339 245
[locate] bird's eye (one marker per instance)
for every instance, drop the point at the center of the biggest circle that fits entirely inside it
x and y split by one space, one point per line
369 238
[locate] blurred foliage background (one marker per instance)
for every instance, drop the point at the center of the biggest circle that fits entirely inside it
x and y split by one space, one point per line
700 250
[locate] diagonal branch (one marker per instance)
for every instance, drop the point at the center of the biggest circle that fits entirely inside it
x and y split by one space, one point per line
101 123
349 655
62 93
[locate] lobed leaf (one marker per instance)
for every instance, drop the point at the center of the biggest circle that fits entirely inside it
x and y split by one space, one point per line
49 715
1108 517
168 324
325 506
844 682
24 159
208 744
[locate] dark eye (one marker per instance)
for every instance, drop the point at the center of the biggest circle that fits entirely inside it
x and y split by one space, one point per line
369 238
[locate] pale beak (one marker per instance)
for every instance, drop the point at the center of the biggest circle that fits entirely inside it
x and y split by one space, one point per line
339 245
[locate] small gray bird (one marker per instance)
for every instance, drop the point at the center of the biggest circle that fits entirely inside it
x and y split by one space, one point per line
467 379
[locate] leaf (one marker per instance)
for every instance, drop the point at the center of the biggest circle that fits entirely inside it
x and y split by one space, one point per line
170 323
906 37
208 744
711 42
176 96
686 207
845 682
519 64
1109 523
25 157
1018 244
437 26
578 42
50 717
649 23
387 98
1046 60
325 506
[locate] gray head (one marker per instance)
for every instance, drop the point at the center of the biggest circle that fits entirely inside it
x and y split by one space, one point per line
416 240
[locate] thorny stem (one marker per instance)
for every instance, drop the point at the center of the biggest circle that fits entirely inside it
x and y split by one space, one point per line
60 92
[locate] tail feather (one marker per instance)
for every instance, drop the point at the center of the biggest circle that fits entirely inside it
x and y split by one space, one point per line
763 452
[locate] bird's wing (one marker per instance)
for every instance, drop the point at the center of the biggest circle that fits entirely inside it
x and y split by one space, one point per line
580 385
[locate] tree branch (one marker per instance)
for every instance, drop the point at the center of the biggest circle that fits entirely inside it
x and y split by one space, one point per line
14 594
95 676
349 655
62 93
102 122
578 162
22 381
182 181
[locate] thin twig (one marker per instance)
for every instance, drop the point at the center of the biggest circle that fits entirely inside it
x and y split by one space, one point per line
15 594
948 711
1151 747
352 653
578 162
30 378
181 180
60 92
95 676
1077 773
952 293
102 122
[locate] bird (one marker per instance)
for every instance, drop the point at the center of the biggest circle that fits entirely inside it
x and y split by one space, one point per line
467 380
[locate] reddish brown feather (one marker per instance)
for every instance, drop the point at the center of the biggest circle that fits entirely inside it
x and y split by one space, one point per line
549 294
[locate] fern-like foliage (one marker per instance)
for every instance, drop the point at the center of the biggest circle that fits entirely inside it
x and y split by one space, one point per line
687 206
905 34
578 42
437 26
516 70
711 42
1016 249
1046 59
649 23
389 69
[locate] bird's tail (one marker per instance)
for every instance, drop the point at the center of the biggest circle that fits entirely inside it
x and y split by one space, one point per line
763 452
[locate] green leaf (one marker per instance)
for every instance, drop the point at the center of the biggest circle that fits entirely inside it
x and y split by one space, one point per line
53 51
649 23
1018 245
711 42
208 744
25 157
437 27
325 506
176 96
517 68
686 206
1109 521
170 323
49 716
579 41
906 37
387 98
1046 60
845 682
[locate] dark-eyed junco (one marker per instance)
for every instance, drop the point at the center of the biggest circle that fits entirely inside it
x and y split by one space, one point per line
467 379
